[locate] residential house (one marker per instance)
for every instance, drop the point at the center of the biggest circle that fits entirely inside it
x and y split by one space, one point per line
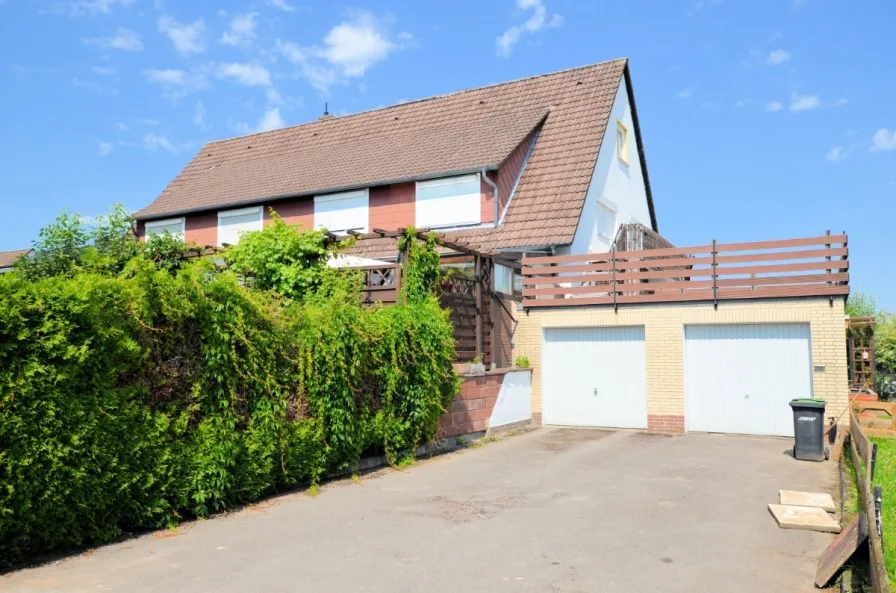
8 259
553 166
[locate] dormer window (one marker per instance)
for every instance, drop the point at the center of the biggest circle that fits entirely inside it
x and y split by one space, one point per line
450 201
342 212
233 223
175 226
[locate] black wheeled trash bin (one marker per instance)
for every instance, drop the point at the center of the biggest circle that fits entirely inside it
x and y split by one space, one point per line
808 429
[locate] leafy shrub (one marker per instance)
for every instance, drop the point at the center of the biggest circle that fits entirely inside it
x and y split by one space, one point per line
130 401
521 362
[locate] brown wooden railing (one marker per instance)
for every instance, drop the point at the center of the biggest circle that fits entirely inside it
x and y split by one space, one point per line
381 283
765 269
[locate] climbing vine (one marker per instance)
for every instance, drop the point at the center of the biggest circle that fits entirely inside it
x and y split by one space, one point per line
131 399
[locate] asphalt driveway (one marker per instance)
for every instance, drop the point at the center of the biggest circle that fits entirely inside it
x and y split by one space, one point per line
551 510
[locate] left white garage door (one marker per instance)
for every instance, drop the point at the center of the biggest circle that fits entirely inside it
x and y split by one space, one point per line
594 376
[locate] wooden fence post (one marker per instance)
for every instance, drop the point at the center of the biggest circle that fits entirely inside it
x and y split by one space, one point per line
477 292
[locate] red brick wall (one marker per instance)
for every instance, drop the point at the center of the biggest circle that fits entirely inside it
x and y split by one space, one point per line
509 170
293 211
665 423
392 206
488 198
472 407
202 228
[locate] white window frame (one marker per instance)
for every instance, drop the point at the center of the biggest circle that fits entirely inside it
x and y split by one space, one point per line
608 205
150 224
346 195
456 180
622 147
224 214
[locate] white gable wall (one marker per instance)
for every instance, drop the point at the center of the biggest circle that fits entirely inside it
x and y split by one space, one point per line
615 181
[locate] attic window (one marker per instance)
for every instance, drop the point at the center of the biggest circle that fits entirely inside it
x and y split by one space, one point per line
621 142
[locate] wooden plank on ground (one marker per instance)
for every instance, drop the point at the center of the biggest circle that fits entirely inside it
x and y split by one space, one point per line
810 518
841 549
807 499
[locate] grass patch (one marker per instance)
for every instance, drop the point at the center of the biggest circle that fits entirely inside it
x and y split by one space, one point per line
885 477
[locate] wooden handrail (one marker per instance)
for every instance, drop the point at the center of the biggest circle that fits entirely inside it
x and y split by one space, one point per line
775 269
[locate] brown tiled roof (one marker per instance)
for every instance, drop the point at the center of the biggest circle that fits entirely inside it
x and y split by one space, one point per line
445 134
372 148
8 258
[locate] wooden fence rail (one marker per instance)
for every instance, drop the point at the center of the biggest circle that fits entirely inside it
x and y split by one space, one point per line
864 459
714 272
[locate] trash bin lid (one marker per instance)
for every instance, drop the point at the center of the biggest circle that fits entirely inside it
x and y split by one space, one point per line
807 402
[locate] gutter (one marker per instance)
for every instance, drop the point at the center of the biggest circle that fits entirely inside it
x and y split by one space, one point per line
495 190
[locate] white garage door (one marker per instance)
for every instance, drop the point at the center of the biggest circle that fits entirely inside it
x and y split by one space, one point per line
740 378
594 377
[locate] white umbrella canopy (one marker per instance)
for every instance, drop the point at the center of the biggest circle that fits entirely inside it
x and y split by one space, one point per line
353 261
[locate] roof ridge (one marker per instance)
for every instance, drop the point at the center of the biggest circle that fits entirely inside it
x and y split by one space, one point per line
430 98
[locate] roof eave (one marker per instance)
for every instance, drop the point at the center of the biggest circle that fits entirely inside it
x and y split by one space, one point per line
140 217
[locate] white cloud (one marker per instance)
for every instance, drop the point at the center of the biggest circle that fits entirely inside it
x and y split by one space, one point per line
165 77
104 70
778 56
884 139
241 31
282 5
357 45
774 106
538 21
187 38
94 87
176 83
271 120
349 50
124 39
155 142
246 74
684 94
104 148
121 126
838 153
199 116
88 7
804 102
149 121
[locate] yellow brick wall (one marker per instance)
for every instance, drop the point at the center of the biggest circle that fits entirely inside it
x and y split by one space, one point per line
664 335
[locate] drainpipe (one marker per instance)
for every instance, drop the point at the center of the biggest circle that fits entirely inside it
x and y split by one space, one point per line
495 190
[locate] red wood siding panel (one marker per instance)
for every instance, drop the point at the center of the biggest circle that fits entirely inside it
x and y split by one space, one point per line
141 230
392 206
202 228
510 169
488 198
293 211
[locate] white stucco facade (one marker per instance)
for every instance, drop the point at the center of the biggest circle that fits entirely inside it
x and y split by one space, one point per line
616 183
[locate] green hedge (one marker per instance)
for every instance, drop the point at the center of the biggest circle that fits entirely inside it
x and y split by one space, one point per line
133 401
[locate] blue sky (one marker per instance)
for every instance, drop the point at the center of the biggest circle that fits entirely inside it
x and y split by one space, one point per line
761 119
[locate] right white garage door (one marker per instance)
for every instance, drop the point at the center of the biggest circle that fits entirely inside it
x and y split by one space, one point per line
740 378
